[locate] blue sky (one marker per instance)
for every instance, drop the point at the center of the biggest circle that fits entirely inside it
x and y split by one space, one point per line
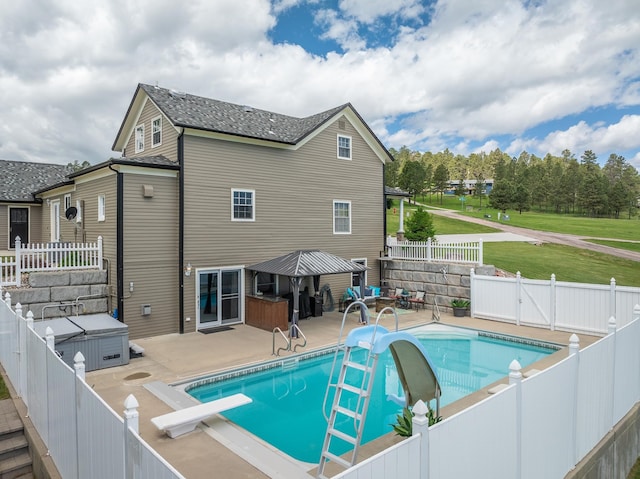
467 75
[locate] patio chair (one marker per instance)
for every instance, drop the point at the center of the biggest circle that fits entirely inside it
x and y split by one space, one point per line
418 299
397 294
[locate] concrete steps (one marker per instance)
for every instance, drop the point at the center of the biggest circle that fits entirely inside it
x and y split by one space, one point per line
15 461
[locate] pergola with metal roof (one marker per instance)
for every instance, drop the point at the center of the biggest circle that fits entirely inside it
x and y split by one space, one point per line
304 263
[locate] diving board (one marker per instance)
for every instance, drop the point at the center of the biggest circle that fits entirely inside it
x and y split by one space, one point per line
185 420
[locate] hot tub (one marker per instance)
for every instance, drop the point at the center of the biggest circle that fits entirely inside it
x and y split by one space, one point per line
102 340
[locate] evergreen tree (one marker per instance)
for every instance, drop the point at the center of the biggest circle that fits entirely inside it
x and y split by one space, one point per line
419 226
501 196
412 177
440 180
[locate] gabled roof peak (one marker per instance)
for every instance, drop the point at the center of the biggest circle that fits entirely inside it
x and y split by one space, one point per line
192 111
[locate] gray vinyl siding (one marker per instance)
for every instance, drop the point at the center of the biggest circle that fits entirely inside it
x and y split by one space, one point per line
294 193
168 147
35 224
4 227
151 255
91 228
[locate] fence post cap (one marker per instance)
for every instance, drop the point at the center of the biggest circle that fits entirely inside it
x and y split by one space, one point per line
131 402
79 357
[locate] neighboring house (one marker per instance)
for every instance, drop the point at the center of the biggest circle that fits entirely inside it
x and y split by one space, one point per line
470 186
20 210
206 188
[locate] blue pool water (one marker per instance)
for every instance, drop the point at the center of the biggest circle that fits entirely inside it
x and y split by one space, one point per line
287 395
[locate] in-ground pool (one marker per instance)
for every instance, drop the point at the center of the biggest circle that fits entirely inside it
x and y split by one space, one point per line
288 393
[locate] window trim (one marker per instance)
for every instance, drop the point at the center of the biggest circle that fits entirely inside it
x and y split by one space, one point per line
346 202
54 213
139 146
276 283
362 261
153 132
67 202
79 213
350 147
102 208
253 204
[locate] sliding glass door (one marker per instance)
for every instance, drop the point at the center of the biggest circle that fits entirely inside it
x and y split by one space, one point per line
218 296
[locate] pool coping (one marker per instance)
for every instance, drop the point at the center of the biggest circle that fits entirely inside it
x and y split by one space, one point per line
266 457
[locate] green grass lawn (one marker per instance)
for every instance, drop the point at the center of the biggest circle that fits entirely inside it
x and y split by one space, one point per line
443 225
622 228
567 263
618 244
539 262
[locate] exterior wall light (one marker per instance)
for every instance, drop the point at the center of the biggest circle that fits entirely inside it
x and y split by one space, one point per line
187 269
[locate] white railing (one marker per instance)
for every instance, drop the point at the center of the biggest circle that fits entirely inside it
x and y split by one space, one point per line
85 437
552 304
49 257
465 252
542 426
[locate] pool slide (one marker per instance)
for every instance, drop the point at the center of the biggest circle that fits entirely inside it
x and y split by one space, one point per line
415 370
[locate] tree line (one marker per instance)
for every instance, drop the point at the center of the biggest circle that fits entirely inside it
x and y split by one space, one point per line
561 184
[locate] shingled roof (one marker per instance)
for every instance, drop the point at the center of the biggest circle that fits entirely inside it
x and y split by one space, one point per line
191 111
20 179
303 263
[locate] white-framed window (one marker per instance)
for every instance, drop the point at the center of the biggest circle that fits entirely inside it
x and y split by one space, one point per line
355 277
344 147
267 284
79 214
156 132
341 217
101 208
139 138
67 202
243 205
55 220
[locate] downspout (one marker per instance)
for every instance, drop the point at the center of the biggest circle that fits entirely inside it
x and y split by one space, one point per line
119 242
181 230
384 227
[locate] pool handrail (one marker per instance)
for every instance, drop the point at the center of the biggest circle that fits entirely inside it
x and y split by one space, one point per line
288 340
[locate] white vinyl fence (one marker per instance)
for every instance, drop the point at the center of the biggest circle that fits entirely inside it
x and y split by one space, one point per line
49 257
537 427
552 304
467 252
85 437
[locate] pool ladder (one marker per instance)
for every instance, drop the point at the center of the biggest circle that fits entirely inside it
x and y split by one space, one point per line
352 394
288 340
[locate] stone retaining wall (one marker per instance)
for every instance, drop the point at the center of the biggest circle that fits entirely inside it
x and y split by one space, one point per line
56 293
442 282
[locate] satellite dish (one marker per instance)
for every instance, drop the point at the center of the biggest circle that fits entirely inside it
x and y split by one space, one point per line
71 212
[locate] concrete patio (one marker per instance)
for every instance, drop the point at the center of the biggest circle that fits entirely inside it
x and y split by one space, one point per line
222 449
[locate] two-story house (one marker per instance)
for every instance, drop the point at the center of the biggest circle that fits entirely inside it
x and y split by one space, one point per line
205 188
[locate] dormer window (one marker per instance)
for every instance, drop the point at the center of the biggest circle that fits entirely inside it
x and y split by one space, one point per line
344 147
156 132
139 138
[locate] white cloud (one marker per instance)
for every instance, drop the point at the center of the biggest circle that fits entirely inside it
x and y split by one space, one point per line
343 31
368 11
477 71
602 139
